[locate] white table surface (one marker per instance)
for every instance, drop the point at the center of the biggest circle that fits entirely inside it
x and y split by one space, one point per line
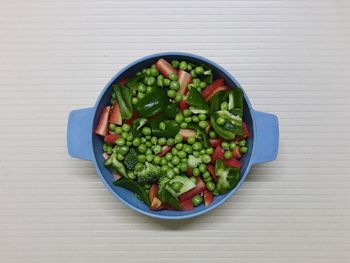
292 58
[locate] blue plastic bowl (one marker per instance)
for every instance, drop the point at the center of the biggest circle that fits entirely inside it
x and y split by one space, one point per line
84 144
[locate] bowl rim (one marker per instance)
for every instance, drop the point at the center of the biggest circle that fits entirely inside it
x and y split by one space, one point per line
150 213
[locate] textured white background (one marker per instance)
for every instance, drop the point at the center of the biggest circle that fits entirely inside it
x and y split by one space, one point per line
292 58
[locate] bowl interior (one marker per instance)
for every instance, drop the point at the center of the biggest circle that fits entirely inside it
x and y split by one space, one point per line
129 198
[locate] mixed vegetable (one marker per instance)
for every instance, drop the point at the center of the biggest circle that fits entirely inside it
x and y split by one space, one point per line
174 136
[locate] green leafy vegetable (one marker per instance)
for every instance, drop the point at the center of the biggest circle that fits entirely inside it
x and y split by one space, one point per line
152 103
133 187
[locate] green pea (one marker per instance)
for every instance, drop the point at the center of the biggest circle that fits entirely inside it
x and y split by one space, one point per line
162 141
126 127
225 145
191 140
142 88
170 173
209 179
157 149
171 93
188 119
174 151
209 151
206 175
120 141
193 73
140 95
195 119
148 144
159 82
178 97
227 155
176 170
154 140
163 161
242 143
109 149
243 149
197 200
123 150
111 126
149 151
179 146
134 101
118 130
148 72
143 139
183 167
183 65
212 134
151 81
187 148
197 146
154 72
168 156
187 112
174 85
114 95
164 168
136 142
202 85
175 63
224 105
149 157
203 124
149 89
189 67
170 142
172 76
193 179
199 70
184 125
166 82
157 159
142 148
195 171
160 77
196 154
134 92
220 121
120 157
141 158
129 143
177 186
179 118
178 138
232 145
202 117
216 192
146 131
130 137
175 160
105 147
181 154
206 158
202 168
125 135
210 186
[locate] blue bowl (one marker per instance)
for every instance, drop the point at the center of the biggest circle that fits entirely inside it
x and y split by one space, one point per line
84 144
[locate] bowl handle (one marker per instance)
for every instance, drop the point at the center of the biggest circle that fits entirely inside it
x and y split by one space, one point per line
266 137
79 133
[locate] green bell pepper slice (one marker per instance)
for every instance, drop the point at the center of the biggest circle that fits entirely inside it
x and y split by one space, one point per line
228 177
166 197
196 100
171 110
124 96
152 103
134 187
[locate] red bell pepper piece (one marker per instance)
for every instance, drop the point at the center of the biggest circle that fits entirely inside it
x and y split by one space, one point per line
123 81
165 68
165 150
211 170
208 198
153 192
183 105
186 205
111 138
189 171
218 154
102 126
245 130
213 88
156 204
184 79
187 133
236 152
215 142
116 117
232 163
200 187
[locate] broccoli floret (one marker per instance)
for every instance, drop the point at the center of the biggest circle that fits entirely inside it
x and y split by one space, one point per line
130 159
228 177
150 174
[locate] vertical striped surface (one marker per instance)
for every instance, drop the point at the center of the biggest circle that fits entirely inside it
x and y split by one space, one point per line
292 58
